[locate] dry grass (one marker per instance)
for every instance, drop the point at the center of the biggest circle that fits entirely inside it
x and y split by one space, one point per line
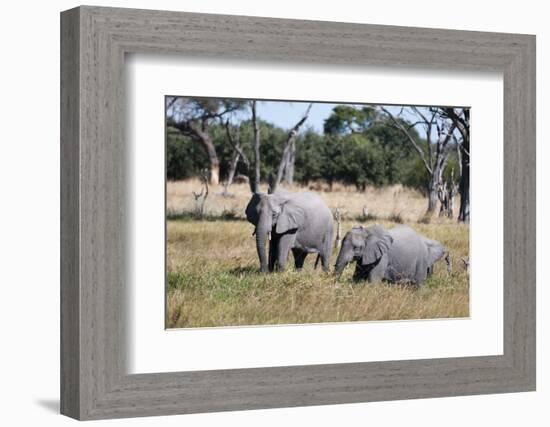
385 203
213 277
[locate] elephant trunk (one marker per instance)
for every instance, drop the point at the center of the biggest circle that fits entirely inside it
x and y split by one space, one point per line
261 237
341 262
261 216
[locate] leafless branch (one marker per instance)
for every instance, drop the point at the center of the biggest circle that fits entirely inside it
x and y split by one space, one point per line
200 198
287 145
235 144
171 102
409 137
255 186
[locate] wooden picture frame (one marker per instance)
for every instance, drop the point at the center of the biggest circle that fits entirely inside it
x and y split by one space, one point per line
94 41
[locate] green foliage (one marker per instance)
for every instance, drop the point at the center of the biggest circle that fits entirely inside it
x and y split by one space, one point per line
349 119
310 157
415 175
185 158
359 147
360 162
397 151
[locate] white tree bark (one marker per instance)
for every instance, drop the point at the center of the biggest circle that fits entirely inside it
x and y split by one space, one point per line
287 148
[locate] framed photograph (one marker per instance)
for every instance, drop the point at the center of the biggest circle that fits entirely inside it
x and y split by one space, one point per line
261 213
359 185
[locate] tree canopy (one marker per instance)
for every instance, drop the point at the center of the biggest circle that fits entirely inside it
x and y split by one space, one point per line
359 146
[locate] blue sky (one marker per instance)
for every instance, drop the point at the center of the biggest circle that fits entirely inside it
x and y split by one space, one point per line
285 114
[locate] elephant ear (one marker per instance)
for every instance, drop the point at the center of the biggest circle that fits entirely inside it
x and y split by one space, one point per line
291 217
377 243
252 210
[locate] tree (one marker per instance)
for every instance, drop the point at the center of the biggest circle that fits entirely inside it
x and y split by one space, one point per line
310 157
435 152
385 143
396 149
359 161
238 153
289 150
255 184
350 119
461 119
193 117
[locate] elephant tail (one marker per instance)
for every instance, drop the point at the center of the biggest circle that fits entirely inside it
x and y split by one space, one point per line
317 261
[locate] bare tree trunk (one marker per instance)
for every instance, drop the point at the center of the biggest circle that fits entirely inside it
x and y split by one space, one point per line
338 218
443 196
452 194
462 122
464 189
287 148
446 193
235 142
434 162
200 198
289 168
255 183
280 170
204 138
432 198
434 186
459 155
231 173
214 173
232 167
464 186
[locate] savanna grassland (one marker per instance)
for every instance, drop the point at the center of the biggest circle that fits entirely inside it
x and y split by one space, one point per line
213 268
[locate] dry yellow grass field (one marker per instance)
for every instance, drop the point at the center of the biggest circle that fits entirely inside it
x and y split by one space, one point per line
213 277
386 202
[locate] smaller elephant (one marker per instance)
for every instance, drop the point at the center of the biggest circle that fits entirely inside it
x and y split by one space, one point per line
436 250
396 255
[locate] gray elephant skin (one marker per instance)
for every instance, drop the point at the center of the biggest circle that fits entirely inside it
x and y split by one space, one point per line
397 255
301 222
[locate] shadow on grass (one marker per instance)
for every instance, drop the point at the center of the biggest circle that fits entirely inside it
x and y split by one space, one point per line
244 270
365 218
195 216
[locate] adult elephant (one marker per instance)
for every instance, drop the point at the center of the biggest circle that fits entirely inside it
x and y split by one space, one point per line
396 255
301 222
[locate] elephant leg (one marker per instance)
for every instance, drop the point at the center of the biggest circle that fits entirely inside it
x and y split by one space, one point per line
325 261
286 241
273 243
378 272
299 258
327 252
361 272
422 271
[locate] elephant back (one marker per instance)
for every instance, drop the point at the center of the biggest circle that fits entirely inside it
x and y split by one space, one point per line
408 248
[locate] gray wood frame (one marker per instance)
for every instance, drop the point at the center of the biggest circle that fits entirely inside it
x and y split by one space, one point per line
94 383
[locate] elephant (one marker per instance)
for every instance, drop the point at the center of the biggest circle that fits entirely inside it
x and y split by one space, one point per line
396 255
301 222
436 250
